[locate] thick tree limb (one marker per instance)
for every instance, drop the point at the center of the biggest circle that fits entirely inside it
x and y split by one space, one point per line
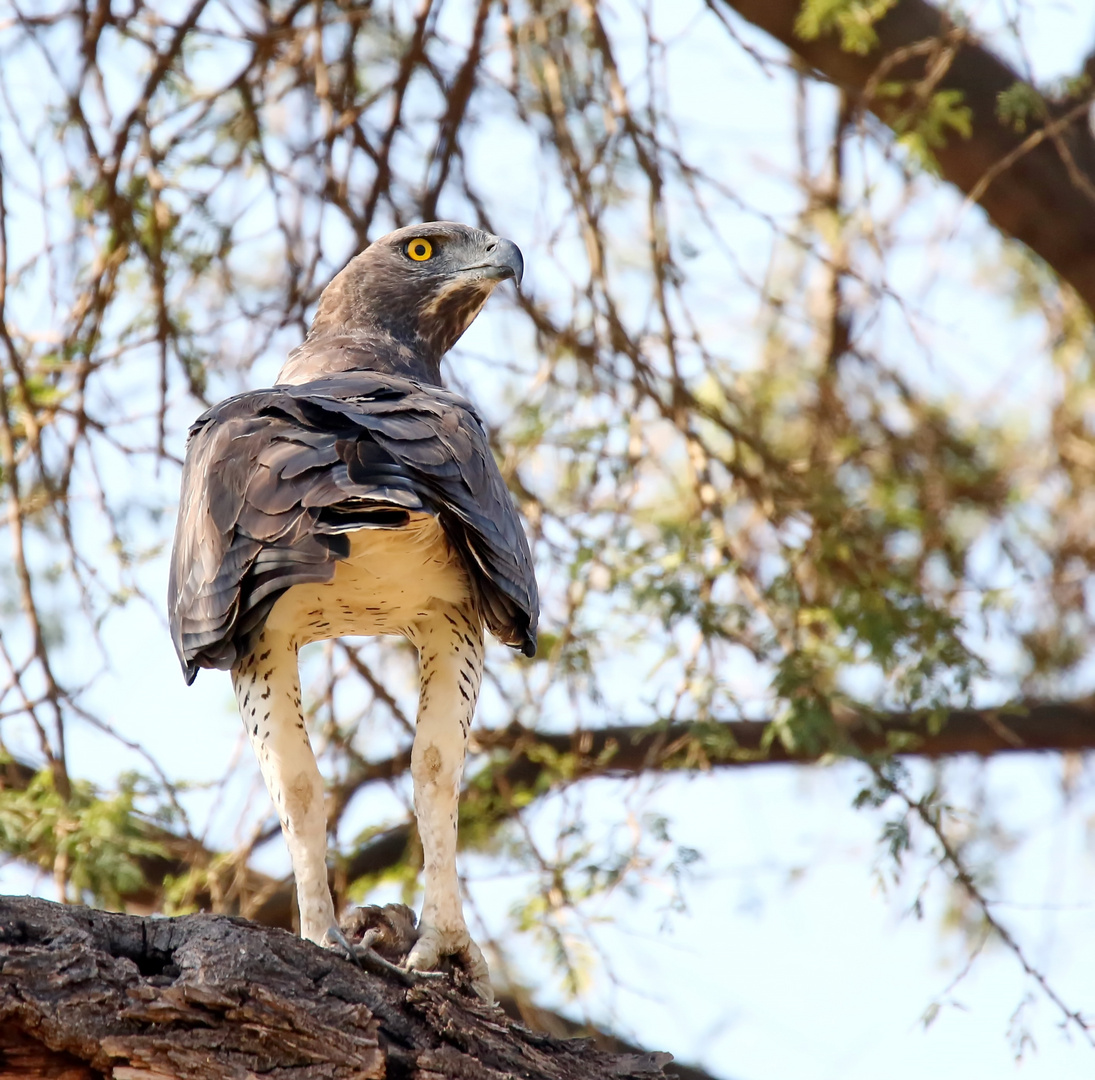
533 763
1043 194
552 1023
87 994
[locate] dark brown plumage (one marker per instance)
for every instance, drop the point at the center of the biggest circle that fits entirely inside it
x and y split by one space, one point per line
275 478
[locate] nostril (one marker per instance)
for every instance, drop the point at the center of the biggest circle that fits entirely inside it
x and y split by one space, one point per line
491 247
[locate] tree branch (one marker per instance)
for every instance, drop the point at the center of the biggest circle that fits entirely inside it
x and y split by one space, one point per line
90 994
1040 197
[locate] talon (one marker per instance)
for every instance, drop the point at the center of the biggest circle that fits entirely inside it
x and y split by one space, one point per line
335 940
364 954
424 976
433 944
426 953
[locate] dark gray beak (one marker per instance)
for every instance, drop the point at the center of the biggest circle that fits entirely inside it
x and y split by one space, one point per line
503 260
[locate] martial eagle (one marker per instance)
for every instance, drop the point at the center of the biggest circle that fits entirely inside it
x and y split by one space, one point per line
359 496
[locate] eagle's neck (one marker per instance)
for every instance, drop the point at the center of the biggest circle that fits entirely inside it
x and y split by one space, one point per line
359 349
366 323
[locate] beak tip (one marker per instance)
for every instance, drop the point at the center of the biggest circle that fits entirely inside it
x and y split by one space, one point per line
508 255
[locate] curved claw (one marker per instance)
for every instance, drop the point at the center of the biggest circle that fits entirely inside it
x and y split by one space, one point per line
363 955
433 944
335 940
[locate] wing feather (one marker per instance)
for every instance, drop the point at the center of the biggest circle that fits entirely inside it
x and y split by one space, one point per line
274 478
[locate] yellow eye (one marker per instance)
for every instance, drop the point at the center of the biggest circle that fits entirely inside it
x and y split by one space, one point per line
420 250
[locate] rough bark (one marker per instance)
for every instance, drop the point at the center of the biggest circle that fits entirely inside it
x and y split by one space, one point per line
1040 197
552 1023
88 994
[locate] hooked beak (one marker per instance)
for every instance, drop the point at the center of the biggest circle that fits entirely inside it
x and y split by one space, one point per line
503 261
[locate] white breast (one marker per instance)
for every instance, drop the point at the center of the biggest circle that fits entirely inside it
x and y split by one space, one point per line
386 585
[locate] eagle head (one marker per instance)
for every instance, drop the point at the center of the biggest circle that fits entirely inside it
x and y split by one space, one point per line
420 286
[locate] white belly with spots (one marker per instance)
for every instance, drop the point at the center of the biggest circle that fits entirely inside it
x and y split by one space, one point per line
384 587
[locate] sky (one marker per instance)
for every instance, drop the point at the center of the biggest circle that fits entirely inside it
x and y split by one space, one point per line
791 950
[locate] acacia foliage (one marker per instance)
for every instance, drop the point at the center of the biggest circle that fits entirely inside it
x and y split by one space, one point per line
715 402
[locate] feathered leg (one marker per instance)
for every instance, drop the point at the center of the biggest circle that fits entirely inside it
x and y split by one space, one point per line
450 652
267 684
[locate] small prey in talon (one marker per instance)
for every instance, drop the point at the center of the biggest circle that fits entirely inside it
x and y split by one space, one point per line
359 496
364 954
377 937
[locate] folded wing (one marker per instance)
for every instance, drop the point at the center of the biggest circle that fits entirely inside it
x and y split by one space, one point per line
275 479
